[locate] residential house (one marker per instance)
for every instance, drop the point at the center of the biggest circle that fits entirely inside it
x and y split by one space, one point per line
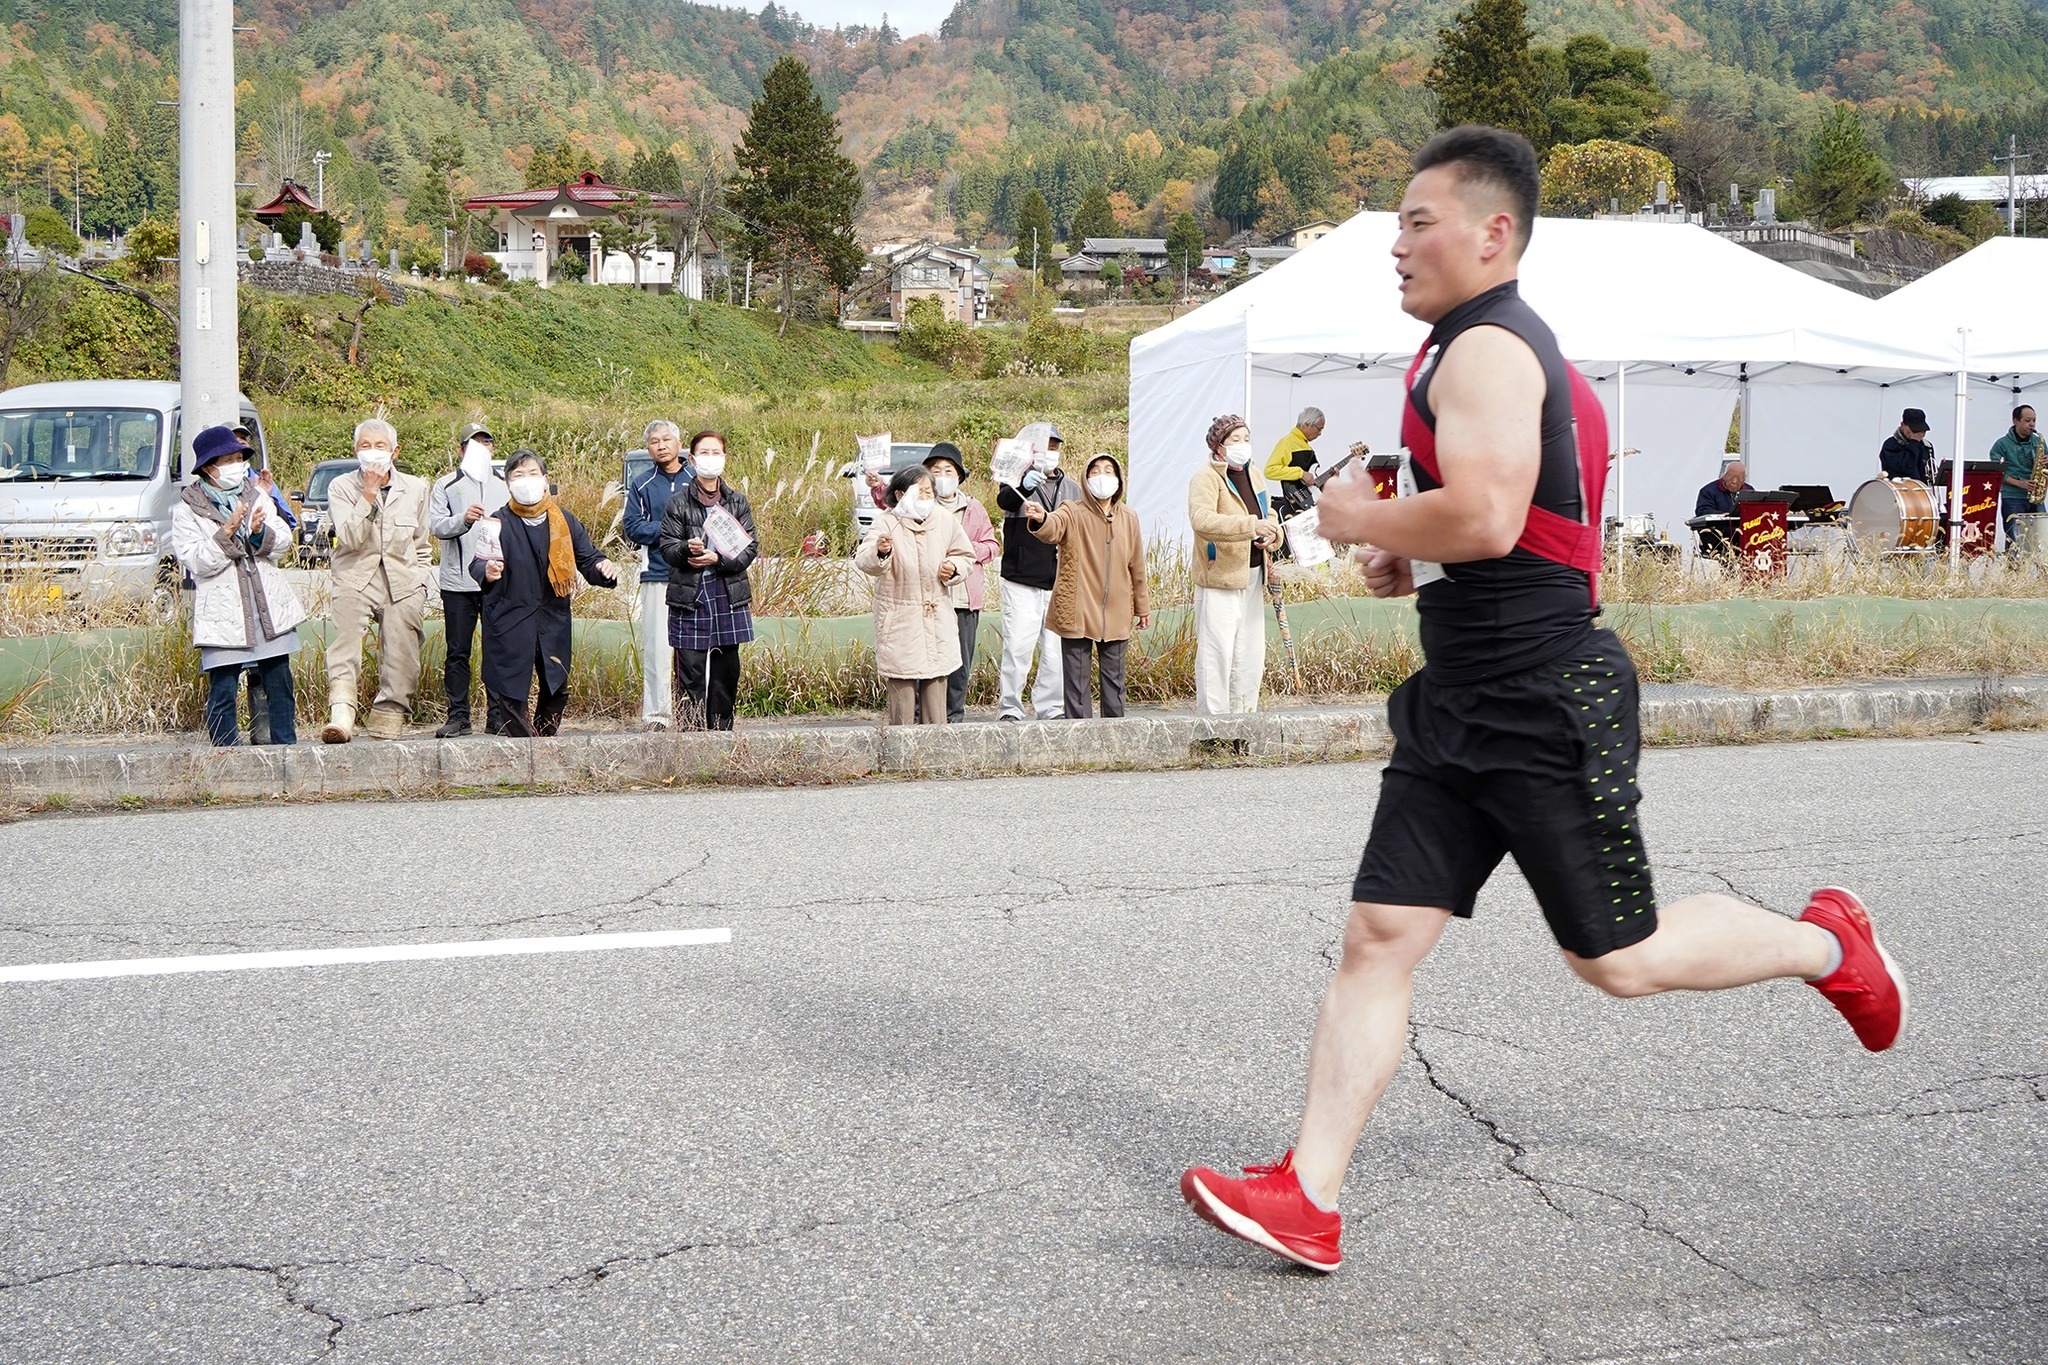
1306 234
1150 251
537 227
954 275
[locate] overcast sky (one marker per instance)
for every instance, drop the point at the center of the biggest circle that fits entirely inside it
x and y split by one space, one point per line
905 16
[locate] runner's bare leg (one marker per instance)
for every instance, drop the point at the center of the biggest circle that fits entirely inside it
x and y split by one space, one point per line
1360 1035
1702 943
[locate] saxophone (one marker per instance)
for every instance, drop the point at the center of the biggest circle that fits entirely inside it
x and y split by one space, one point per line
2037 487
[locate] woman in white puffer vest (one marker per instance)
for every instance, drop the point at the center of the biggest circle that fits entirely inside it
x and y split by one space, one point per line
227 534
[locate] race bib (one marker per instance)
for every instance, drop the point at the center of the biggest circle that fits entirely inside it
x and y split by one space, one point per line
1424 570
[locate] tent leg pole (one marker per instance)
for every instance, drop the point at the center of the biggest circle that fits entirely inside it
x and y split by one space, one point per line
1955 460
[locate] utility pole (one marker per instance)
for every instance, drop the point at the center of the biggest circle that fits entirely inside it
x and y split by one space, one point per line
320 160
2012 158
209 349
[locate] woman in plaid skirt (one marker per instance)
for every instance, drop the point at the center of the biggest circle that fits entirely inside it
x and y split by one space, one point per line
707 537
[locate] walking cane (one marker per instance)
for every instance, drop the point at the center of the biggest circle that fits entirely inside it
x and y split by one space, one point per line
1280 613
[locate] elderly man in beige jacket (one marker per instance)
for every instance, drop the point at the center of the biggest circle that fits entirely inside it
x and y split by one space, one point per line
383 561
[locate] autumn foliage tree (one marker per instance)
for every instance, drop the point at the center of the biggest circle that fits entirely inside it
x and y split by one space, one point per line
795 194
1584 178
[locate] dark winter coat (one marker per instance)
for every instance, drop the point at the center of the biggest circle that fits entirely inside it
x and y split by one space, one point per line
523 619
1028 561
684 522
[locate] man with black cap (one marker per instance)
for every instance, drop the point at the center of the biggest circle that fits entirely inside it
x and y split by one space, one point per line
462 497
1028 570
1907 453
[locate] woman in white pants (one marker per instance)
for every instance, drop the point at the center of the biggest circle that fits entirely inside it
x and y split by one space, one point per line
1233 540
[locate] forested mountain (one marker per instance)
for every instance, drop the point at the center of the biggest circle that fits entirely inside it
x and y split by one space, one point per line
1150 98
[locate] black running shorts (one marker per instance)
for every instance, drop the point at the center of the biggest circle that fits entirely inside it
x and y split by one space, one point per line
1541 765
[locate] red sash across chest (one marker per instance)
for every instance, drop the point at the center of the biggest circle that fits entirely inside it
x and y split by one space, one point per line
1560 539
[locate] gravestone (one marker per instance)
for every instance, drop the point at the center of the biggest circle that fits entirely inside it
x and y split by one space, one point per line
308 243
273 248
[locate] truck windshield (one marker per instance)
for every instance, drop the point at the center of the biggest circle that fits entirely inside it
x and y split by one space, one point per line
316 487
60 444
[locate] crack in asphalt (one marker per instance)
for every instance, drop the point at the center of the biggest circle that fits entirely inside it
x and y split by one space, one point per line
1517 1154
284 1276
2035 1084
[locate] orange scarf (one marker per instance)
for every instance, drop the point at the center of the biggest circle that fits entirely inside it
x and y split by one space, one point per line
561 549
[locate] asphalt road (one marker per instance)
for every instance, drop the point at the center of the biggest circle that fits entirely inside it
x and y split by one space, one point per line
931 1100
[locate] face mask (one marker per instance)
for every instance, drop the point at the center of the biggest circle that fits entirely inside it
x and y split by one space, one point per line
1102 485
913 507
528 489
944 486
375 461
229 474
1047 461
711 466
1238 453
476 459
1032 478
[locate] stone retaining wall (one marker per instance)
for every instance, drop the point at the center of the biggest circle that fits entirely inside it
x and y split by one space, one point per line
183 773
311 277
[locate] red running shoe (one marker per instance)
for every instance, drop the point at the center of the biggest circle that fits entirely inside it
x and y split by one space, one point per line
1867 988
1268 1210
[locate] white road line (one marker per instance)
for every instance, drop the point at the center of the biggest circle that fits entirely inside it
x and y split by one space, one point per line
390 952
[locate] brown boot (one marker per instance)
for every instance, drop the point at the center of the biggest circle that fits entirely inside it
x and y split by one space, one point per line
341 724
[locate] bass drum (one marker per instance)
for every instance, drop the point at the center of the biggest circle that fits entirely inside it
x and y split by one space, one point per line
1887 515
2029 542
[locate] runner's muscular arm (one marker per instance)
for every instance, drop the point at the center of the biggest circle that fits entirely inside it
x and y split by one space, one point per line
1487 395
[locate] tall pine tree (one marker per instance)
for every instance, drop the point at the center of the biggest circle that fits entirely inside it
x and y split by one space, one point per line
1036 245
795 194
1484 73
1095 218
1843 178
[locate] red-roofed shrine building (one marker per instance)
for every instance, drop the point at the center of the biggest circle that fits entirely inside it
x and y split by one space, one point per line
537 227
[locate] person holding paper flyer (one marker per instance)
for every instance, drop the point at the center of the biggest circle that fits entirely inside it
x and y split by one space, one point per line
1100 594
970 590
918 551
1233 540
539 551
707 539
461 499
1028 570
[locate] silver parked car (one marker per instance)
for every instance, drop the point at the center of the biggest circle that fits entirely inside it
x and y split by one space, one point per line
902 455
89 473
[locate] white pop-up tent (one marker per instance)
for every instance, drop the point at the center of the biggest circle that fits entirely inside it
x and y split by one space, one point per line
1671 323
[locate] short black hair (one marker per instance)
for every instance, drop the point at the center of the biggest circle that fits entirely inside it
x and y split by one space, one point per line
524 456
2024 407
1494 157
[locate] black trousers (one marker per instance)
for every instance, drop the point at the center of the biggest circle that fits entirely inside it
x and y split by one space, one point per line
956 685
507 715
1075 658
707 687
459 614
279 718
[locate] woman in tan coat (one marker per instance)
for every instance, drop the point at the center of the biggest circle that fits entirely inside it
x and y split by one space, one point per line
917 551
1233 538
1100 589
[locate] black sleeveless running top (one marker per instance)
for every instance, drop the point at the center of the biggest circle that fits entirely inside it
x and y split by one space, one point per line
1487 618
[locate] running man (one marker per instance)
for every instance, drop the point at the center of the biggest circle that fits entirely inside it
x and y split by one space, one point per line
1519 734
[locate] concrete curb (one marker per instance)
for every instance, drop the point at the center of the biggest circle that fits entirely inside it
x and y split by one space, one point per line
782 756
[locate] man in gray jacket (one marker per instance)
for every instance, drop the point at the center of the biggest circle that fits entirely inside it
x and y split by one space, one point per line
461 498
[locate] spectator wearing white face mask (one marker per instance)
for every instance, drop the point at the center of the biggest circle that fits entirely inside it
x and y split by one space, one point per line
970 590
526 585
226 533
383 564
707 538
1101 595
1233 538
918 551
462 497
1028 570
